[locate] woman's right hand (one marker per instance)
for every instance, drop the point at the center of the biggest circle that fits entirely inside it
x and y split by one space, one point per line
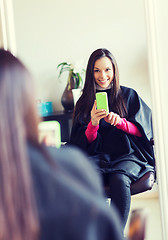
97 114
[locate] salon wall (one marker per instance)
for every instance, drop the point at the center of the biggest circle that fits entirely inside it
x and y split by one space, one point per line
49 32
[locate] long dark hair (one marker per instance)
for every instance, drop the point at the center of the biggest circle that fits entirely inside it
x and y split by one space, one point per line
18 123
85 103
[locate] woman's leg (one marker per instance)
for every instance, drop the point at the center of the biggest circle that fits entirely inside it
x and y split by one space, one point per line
120 194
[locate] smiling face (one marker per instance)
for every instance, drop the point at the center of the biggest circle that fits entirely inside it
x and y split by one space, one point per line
103 72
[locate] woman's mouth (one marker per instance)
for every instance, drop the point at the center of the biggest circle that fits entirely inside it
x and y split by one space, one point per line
104 81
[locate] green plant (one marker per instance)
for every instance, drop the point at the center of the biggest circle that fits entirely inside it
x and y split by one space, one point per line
75 71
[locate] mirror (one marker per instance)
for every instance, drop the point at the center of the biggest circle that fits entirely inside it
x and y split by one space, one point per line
48 33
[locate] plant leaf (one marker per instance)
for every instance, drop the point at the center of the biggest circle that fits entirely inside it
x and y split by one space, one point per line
62 70
63 64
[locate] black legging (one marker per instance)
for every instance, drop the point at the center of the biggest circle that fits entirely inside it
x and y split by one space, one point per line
120 194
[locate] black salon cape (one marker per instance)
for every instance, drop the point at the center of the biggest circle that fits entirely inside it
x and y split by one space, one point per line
113 146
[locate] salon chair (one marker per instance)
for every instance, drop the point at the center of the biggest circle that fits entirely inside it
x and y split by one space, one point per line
144 183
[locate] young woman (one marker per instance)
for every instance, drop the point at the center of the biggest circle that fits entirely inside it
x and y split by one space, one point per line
118 141
45 193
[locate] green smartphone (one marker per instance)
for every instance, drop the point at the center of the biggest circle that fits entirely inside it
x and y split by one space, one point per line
102 101
51 132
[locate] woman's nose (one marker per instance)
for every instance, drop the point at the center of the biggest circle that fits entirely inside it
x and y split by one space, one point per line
103 75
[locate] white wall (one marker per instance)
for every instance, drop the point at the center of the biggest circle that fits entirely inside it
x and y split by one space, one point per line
49 32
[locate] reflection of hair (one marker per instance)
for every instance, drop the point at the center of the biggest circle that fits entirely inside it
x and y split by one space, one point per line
18 123
85 103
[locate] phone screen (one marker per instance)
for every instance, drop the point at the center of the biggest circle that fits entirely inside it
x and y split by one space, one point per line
102 101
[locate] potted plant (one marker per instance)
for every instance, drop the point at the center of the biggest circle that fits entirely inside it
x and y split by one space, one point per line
74 84
76 73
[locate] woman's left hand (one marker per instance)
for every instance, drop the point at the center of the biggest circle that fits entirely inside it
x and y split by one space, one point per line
112 118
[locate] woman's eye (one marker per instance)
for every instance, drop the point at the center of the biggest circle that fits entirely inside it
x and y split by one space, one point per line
108 69
96 70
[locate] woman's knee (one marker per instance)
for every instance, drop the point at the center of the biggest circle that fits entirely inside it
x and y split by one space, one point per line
118 179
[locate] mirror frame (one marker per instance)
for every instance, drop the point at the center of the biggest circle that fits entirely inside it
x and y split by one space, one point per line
157 39
8 40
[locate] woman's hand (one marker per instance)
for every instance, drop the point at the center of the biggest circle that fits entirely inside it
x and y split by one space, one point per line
112 118
97 115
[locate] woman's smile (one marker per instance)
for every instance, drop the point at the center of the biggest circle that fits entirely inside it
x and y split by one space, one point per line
103 81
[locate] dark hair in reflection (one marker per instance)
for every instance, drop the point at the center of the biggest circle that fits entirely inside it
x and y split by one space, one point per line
86 101
18 124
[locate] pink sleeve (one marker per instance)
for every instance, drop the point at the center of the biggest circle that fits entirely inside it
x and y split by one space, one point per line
128 127
91 132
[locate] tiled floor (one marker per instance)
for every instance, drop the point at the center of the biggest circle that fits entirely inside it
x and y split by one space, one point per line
150 202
